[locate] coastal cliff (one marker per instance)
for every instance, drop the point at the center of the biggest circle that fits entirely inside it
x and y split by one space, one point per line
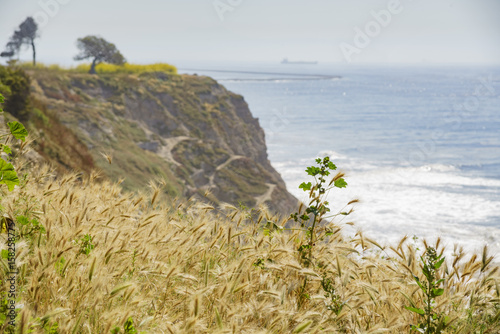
191 132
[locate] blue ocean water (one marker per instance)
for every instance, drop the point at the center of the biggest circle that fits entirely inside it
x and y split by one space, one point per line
420 145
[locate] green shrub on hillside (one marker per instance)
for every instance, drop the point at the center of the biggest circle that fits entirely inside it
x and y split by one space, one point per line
15 86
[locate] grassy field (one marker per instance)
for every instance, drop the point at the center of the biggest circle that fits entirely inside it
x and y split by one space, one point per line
93 258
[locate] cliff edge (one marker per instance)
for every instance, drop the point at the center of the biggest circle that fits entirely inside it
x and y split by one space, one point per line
188 130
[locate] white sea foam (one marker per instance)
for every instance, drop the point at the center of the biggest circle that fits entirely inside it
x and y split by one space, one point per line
427 201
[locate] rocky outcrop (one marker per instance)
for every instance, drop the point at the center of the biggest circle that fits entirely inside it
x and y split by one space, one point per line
189 130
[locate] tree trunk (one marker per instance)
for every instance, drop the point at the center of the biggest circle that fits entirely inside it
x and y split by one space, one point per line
34 52
92 67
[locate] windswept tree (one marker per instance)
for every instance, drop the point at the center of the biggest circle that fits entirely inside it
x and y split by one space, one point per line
99 50
13 47
26 35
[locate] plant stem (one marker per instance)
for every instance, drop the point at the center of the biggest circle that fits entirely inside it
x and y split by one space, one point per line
301 296
311 238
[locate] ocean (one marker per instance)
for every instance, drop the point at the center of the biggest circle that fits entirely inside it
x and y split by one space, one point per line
420 145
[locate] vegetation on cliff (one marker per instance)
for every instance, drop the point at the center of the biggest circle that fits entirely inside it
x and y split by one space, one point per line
99 50
103 68
54 141
25 35
188 131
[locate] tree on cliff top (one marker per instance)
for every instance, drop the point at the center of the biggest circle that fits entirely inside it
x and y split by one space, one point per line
26 34
100 50
13 46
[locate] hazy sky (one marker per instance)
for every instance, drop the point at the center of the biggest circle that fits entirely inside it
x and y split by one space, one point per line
437 31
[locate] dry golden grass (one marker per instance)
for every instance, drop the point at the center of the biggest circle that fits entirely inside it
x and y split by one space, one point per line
185 267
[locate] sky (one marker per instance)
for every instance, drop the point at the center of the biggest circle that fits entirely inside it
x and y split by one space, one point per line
346 31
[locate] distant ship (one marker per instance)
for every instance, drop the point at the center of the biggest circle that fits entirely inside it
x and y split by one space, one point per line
286 61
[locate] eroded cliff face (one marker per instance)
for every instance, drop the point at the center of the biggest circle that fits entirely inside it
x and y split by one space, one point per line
188 130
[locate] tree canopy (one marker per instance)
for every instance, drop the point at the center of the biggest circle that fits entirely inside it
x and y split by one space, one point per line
26 35
99 50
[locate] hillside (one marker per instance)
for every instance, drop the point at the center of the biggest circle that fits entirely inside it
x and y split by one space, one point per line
190 131
80 254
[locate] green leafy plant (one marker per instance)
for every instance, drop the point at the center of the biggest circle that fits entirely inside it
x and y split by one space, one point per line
61 265
128 328
43 325
8 175
47 326
260 263
86 245
316 211
52 328
432 322
29 227
4 307
318 206
333 301
15 87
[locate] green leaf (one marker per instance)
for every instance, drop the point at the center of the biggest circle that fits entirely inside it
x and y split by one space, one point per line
439 263
419 284
332 166
340 183
306 186
18 130
313 171
1 99
218 318
418 328
427 272
7 149
5 254
22 220
437 292
129 326
416 310
439 281
8 175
